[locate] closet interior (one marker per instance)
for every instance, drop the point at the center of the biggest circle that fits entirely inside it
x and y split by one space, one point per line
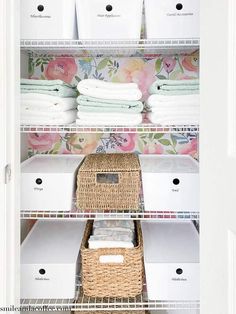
110 215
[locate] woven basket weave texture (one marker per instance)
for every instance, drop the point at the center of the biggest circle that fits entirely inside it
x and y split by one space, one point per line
123 194
121 280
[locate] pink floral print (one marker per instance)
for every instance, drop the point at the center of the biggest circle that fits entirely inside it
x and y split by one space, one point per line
42 142
82 143
153 148
61 68
137 71
129 141
169 64
190 63
190 148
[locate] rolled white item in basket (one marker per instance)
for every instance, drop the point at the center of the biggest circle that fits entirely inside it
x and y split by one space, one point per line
113 224
113 232
114 238
110 244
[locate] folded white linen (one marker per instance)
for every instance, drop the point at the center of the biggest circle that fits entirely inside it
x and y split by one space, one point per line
158 99
120 119
108 90
40 102
176 111
191 119
93 83
109 244
49 118
172 110
169 106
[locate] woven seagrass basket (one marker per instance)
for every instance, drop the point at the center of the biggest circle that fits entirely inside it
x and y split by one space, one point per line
121 280
109 182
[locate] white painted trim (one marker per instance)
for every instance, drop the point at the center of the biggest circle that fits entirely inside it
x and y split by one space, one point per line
232 272
231 97
3 68
9 136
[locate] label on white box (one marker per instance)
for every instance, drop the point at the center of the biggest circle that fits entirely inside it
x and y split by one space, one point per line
165 283
170 19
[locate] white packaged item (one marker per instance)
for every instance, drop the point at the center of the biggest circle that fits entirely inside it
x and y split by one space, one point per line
114 19
109 244
48 182
121 237
48 19
50 260
172 19
170 183
129 224
113 232
171 258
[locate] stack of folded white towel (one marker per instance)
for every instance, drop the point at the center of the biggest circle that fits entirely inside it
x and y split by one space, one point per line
112 234
174 102
106 103
47 102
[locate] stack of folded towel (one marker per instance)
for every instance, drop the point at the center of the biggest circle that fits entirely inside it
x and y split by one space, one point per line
106 103
174 102
48 102
112 234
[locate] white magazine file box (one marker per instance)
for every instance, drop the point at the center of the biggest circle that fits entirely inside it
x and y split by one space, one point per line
113 19
50 260
171 258
170 183
171 19
48 19
48 182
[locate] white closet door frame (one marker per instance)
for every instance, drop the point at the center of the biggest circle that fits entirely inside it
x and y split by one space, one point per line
9 153
218 156
218 163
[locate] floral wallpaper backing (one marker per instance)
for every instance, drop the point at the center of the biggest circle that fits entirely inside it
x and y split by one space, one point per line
142 70
151 143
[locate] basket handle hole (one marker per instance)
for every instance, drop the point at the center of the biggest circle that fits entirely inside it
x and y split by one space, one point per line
108 178
111 259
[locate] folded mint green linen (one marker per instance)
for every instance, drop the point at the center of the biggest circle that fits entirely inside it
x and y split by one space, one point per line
91 104
49 87
175 87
